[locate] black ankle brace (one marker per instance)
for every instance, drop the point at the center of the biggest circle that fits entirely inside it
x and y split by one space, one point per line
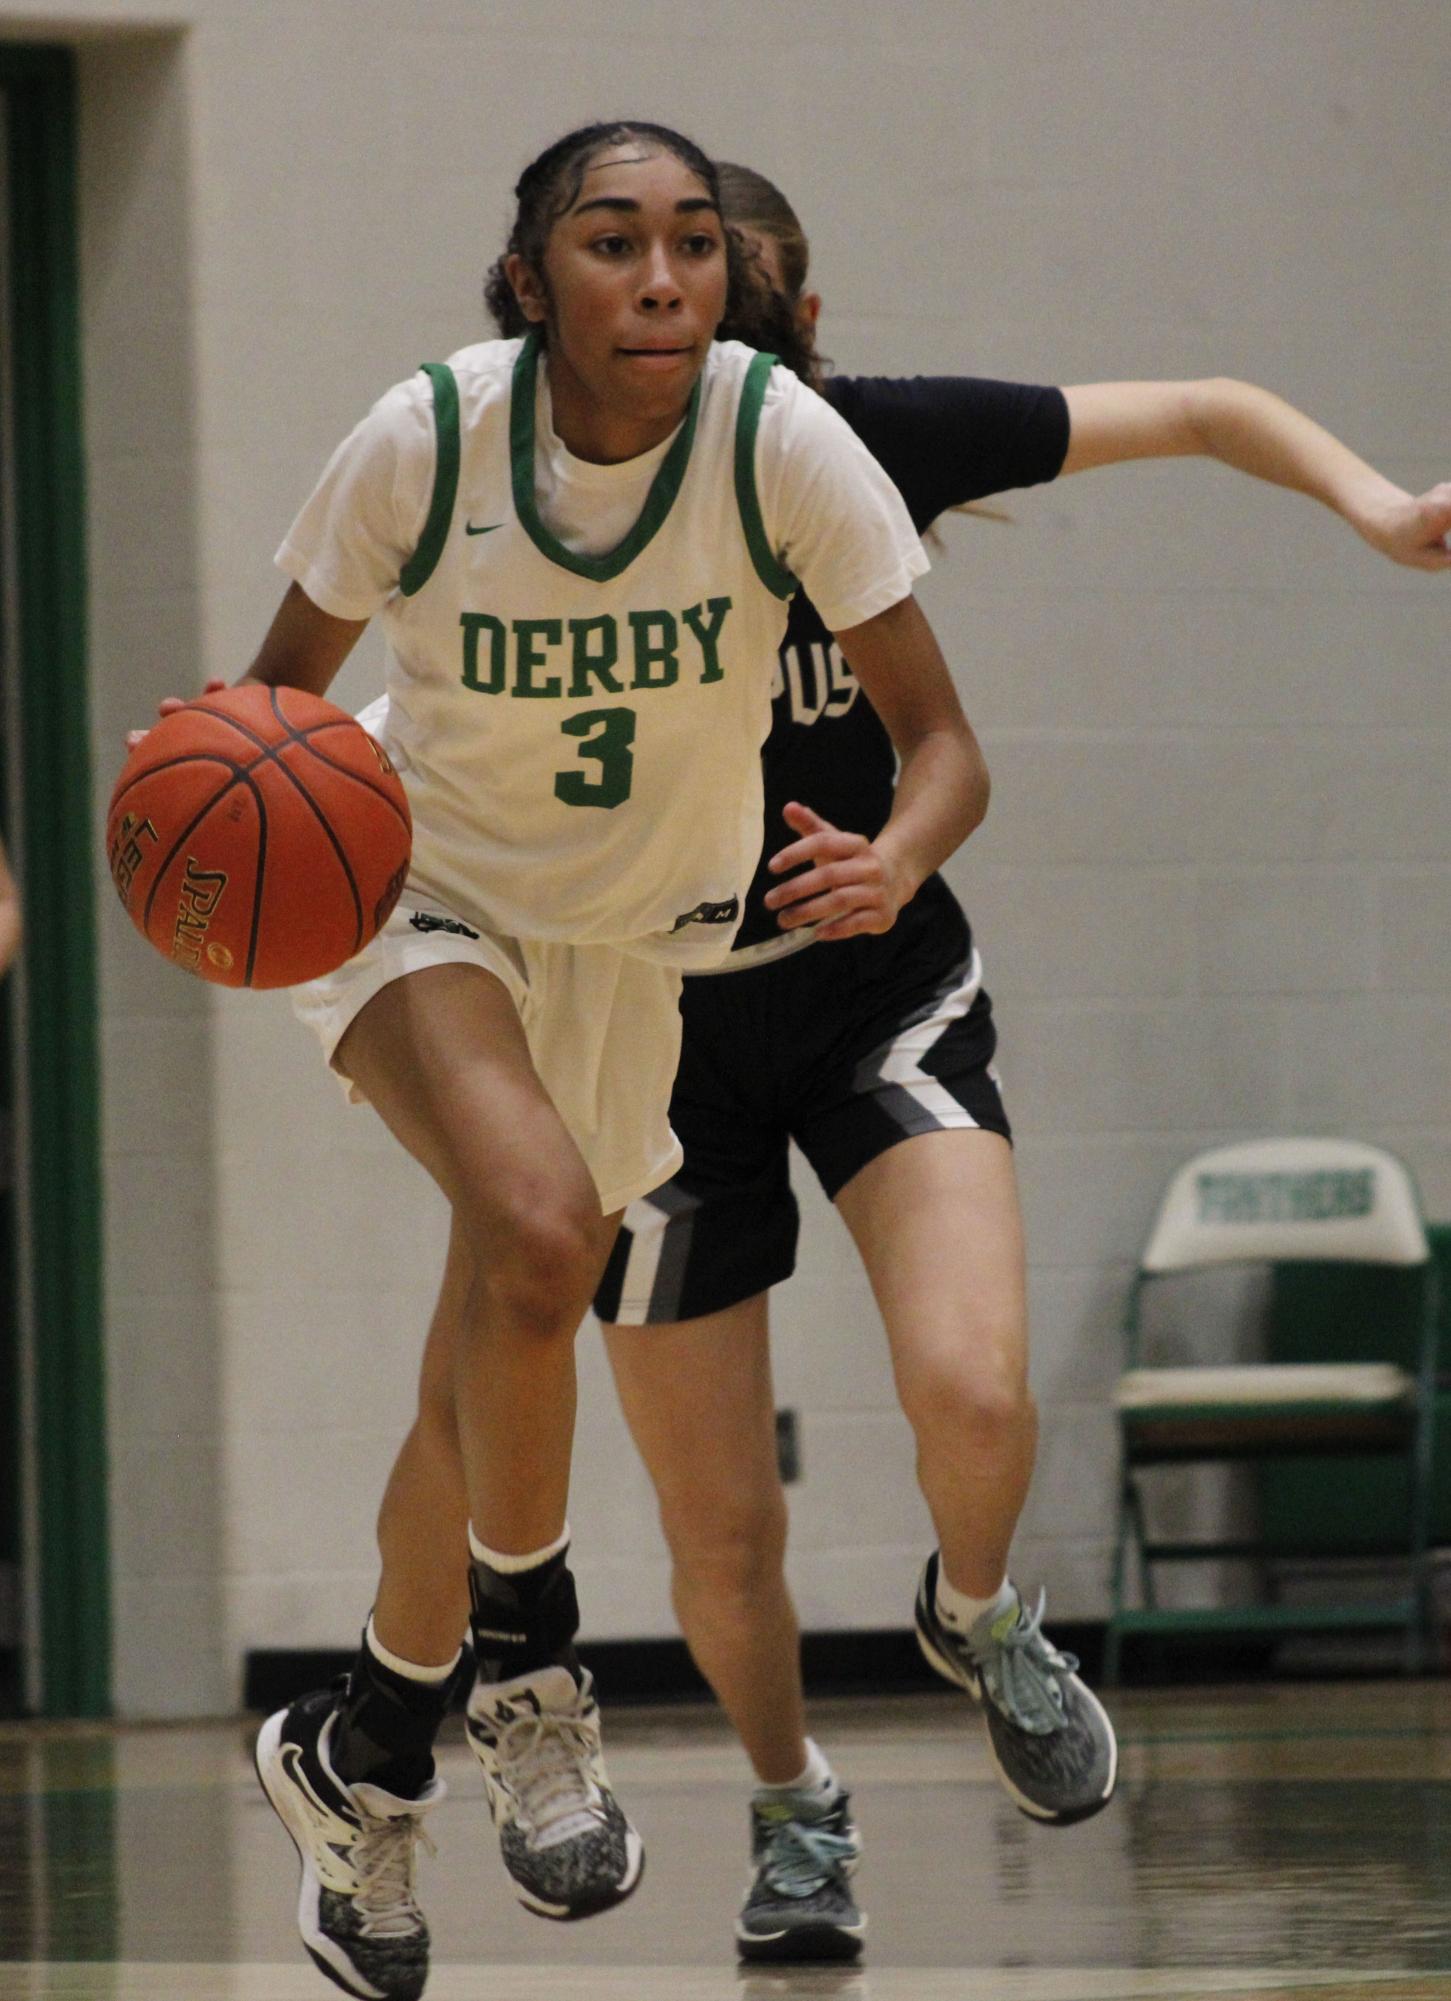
386 1727
523 1619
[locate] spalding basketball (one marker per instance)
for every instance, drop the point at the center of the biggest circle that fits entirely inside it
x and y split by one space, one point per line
258 837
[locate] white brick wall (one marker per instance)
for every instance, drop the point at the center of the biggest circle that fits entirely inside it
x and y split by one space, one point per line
1214 888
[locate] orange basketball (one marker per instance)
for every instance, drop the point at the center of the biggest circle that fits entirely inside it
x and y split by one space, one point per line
258 837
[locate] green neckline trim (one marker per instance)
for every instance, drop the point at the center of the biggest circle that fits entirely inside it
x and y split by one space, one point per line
658 502
774 575
424 560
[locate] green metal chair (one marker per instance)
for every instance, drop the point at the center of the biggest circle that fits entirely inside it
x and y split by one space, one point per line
1350 1291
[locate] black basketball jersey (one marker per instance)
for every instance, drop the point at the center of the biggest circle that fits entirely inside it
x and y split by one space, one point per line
943 440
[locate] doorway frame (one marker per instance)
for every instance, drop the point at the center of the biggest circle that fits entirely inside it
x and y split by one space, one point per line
68 1563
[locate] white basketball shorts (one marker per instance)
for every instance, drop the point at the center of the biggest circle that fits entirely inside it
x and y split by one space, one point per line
603 1030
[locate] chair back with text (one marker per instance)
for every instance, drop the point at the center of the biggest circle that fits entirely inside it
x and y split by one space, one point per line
1345 1375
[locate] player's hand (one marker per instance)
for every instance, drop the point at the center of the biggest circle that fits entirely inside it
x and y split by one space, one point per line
1414 529
847 887
168 706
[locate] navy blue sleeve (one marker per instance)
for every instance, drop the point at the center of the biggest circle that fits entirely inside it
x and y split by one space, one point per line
947 439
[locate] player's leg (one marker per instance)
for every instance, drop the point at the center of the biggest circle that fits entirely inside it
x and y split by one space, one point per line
424 1538
697 1398
423 1524
683 1305
937 1223
683 1302
912 1143
936 1220
528 1244
442 1055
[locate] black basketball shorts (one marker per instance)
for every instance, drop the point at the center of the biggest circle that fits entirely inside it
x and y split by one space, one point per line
846 1048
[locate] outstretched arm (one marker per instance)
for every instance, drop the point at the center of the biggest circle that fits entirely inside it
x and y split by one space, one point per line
9 913
1260 434
850 885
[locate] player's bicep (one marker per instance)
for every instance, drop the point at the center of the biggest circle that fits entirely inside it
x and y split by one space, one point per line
305 645
1109 422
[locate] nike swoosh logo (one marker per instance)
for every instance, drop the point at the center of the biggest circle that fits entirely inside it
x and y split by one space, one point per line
469 528
291 1762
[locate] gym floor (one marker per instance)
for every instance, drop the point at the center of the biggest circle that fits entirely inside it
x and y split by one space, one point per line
1265 1841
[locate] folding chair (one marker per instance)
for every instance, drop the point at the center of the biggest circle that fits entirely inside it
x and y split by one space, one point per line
1348 1217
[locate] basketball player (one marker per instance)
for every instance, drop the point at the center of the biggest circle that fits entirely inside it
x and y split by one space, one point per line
817 1045
580 543
876 1058
9 914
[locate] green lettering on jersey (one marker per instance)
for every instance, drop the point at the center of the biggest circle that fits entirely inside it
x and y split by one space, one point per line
527 633
589 662
708 635
607 738
661 653
473 623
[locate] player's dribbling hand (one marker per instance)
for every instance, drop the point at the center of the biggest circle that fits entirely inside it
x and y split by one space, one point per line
168 706
847 886
1414 529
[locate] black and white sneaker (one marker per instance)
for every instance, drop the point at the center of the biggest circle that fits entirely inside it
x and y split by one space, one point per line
800 1904
564 1839
356 1911
1050 1737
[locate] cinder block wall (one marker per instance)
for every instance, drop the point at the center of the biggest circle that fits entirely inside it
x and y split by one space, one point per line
1213 890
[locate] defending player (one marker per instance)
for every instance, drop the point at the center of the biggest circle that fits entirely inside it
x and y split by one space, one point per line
876 1057
580 544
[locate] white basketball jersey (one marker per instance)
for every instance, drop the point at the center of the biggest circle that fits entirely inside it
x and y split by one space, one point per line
580 736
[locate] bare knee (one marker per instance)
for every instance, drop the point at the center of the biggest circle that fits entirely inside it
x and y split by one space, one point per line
731 1550
979 1404
537 1270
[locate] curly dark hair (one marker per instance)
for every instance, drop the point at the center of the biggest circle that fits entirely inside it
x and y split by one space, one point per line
756 207
549 187
750 201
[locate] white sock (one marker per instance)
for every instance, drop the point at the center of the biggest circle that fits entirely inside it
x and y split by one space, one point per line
817 1778
509 1565
434 1677
961 1613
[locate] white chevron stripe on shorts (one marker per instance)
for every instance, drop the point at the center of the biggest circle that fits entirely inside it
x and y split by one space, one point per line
655 1266
893 1073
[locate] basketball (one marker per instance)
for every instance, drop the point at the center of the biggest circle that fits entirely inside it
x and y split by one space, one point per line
258 837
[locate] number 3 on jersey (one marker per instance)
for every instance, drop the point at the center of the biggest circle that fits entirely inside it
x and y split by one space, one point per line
607 735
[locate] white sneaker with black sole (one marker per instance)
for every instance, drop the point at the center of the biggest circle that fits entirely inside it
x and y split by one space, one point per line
1050 1736
356 1910
562 1834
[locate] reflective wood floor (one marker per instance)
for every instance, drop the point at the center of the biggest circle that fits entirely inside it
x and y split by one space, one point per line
1284 1841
